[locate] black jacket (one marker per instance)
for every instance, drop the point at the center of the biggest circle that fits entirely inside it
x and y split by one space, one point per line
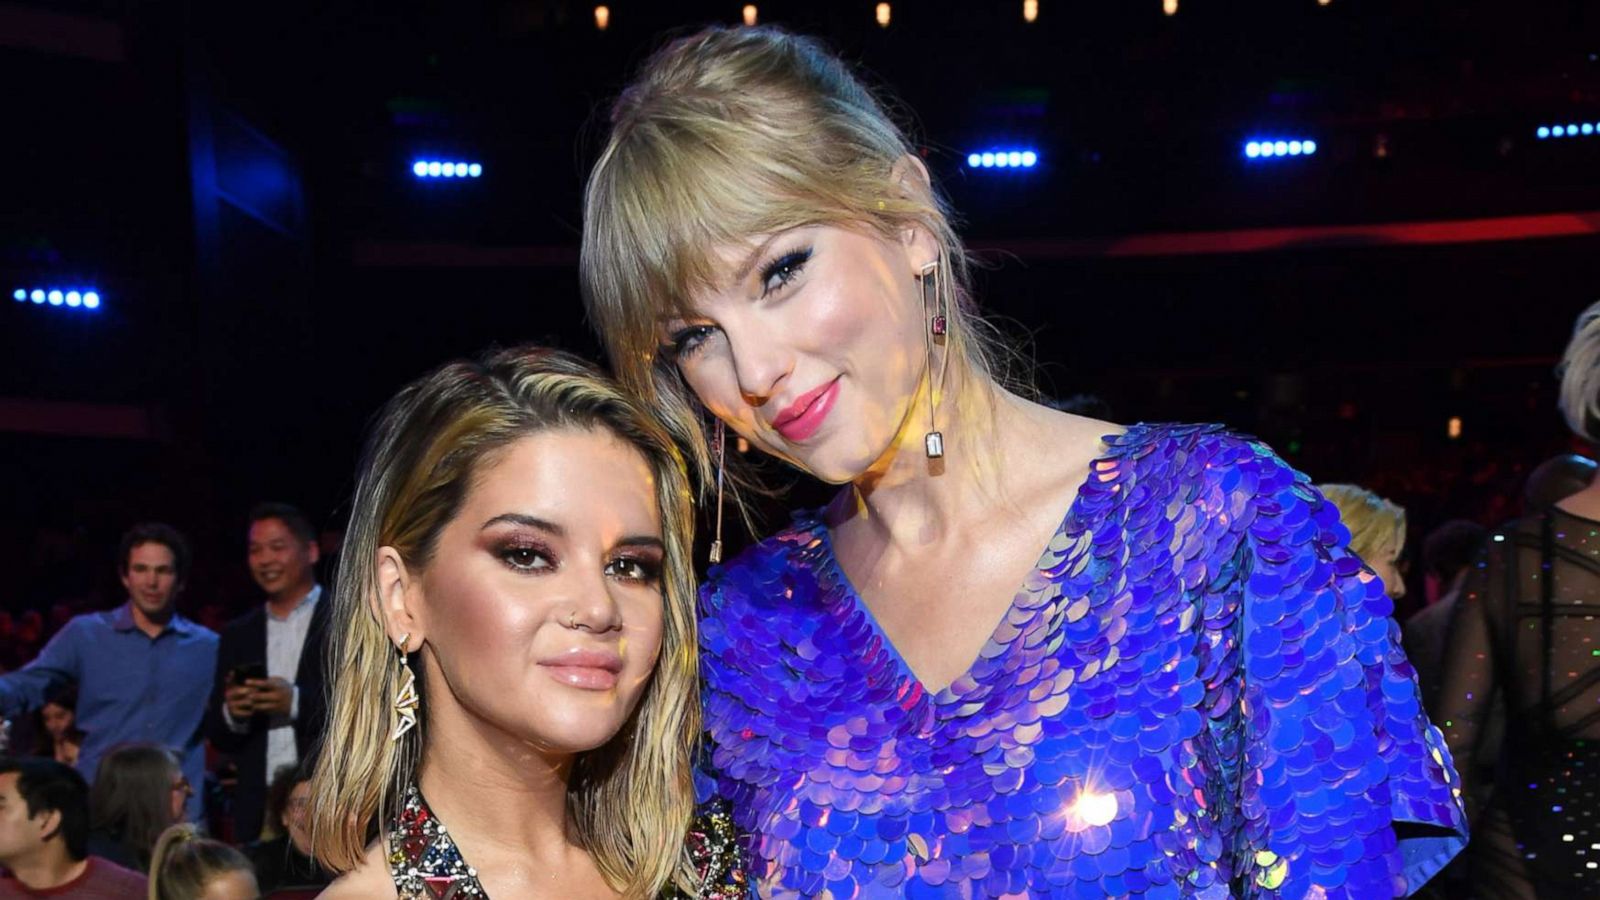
244 641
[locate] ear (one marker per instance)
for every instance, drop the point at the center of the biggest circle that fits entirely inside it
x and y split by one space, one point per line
49 825
910 177
398 599
316 551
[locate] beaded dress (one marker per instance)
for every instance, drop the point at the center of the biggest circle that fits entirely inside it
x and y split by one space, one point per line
1526 636
1198 692
426 864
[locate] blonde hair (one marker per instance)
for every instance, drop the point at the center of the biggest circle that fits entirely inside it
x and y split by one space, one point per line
723 136
1376 525
629 801
1579 372
183 863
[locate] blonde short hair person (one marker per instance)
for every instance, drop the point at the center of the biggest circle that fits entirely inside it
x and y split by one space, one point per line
1022 653
1377 531
520 539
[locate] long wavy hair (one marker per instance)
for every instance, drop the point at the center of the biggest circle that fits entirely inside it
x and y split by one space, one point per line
728 134
630 800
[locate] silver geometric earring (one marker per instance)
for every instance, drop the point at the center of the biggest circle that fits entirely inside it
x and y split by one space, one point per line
936 305
406 701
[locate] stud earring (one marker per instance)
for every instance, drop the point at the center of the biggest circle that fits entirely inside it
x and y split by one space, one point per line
406 701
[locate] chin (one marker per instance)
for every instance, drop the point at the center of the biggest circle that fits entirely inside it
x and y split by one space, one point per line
574 730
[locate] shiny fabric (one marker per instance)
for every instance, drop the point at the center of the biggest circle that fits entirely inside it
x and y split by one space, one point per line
425 862
1197 693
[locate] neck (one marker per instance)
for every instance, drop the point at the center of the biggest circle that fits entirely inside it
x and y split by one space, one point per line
912 499
287 601
47 867
151 624
500 796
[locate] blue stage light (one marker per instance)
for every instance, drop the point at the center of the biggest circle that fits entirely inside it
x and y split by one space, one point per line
1029 159
1003 159
37 296
433 169
420 168
439 168
1260 149
474 170
1252 149
1543 132
91 300
55 298
20 295
74 298
1587 128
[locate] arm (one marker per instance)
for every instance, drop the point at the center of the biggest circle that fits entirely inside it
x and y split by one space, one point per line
1343 783
227 732
60 661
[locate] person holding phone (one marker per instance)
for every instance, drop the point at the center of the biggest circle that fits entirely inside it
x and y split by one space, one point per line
267 707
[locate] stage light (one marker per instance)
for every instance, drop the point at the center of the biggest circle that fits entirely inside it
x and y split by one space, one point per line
602 17
433 168
1587 128
750 15
883 15
1324 2
1452 428
69 297
1003 159
1030 11
1259 149
1543 132
1170 7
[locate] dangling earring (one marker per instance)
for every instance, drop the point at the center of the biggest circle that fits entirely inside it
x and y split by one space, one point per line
936 304
719 440
406 702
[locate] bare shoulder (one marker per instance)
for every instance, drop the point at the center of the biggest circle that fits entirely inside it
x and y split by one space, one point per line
368 880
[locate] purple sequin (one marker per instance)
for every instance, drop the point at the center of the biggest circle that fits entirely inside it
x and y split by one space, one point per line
1198 693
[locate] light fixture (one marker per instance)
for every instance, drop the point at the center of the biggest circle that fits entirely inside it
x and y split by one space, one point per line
1264 149
602 17
74 298
434 168
1007 158
1569 129
1170 7
883 15
750 16
1452 429
1030 11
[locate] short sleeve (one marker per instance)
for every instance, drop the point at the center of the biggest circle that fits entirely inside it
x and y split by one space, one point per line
1346 790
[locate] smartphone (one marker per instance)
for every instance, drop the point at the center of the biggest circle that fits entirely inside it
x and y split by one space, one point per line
245 671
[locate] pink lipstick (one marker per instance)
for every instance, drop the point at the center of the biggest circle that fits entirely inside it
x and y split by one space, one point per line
805 415
590 670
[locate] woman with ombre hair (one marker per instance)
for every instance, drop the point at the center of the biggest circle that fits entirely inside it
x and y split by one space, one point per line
513 703
1022 653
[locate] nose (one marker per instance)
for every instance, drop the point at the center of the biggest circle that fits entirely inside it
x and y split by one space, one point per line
593 609
760 363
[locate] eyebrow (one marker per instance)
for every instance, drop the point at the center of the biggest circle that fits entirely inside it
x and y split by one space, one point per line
749 264
530 521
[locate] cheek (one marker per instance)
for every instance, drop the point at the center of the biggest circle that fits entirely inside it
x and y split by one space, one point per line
483 620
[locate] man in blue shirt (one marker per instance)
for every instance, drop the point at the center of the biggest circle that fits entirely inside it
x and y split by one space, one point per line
143 672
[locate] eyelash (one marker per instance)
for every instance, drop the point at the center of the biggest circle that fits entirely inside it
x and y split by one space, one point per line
685 342
648 570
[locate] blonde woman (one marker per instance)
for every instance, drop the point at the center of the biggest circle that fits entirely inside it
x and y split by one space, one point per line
1377 531
1525 645
186 866
1023 653
514 671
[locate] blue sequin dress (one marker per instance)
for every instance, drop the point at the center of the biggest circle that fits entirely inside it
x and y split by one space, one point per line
1197 693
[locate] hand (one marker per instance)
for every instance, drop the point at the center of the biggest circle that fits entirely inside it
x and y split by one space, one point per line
273 696
241 702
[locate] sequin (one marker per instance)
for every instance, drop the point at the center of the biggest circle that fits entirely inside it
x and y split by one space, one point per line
1197 693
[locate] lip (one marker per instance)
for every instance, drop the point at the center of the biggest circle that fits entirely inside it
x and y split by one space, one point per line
801 419
590 670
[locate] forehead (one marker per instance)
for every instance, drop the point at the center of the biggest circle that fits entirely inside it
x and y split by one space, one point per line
8 784
150 554
269 529
580 478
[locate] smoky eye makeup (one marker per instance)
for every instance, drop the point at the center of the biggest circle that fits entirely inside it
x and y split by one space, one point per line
783 268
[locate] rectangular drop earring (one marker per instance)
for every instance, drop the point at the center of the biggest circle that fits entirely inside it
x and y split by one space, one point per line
936 305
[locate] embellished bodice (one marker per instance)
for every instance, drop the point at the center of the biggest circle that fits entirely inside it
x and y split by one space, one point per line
426 864
1197 692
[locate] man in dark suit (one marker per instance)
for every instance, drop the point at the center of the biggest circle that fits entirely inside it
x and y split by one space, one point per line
267 706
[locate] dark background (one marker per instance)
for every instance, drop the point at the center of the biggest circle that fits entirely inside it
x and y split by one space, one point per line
235 181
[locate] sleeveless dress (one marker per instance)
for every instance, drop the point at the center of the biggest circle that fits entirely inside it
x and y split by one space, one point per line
1198 692
426 864
1526 639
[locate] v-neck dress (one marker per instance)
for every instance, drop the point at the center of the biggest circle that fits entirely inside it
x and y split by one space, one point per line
1198 692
